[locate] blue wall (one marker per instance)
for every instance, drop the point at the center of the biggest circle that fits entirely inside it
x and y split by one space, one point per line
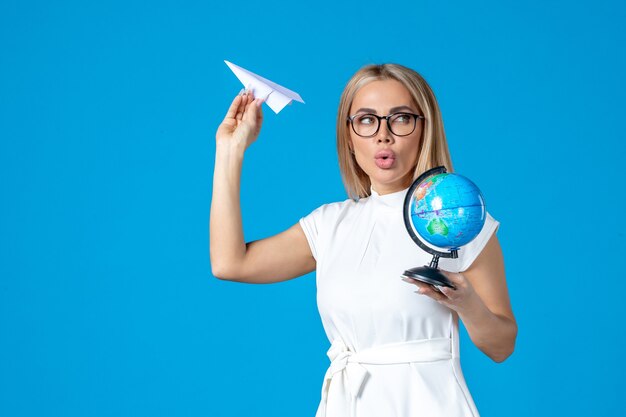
108 114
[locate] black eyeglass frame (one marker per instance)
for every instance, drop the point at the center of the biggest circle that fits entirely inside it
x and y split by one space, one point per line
379 118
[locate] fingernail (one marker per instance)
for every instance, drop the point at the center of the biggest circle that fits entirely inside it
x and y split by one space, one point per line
410 281
418 292
241 92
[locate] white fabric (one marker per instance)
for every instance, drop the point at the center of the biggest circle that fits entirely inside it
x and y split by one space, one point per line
393 352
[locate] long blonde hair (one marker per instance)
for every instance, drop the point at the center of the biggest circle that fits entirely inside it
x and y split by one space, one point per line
433 145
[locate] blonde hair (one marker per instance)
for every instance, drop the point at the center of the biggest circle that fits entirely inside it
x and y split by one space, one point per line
433 149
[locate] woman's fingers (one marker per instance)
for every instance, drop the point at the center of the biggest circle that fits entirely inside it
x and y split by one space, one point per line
242 107
457 299
429 290
254 114
259 113
234 106
240 102
238 106
432 293
243 119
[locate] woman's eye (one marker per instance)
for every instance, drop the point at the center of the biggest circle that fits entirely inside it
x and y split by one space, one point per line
366 120
402 119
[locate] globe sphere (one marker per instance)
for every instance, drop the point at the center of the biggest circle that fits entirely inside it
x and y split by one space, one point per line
447 210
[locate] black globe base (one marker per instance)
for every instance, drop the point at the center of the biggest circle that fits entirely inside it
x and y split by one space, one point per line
429 275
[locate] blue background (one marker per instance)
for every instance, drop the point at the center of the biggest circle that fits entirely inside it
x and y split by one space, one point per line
108 114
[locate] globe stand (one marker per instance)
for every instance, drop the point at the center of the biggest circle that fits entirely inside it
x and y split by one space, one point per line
428 274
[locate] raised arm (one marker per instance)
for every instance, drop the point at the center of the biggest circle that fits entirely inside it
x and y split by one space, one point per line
277 258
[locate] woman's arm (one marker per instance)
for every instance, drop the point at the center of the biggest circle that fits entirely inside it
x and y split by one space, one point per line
488 317
277 258
482 301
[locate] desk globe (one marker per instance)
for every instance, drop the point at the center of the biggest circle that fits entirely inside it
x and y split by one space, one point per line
442 212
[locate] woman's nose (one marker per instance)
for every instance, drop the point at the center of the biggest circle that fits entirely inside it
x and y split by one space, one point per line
384 135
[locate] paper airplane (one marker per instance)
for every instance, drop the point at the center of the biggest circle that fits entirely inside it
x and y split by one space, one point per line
276 96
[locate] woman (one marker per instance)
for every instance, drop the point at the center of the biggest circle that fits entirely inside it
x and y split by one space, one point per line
393 352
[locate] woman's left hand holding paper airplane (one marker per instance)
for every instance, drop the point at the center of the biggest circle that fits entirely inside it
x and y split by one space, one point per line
242 124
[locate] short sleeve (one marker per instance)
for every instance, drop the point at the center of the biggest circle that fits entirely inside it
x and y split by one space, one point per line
470 252
312 225
320 225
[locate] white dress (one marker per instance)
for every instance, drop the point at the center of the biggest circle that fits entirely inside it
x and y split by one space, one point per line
393 352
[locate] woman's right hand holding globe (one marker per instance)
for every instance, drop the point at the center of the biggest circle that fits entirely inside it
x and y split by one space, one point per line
242 124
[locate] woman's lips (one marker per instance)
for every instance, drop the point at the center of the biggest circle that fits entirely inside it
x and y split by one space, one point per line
384 163
384 159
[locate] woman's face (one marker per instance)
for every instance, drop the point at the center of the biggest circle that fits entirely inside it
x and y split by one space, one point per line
382 98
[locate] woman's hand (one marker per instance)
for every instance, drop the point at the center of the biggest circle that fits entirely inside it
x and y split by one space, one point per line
242 123
482 302
459 300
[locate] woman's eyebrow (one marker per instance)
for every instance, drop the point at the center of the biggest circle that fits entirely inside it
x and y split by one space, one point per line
400 108
392 110
365 110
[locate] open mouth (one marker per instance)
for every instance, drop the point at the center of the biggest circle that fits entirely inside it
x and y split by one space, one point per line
385 162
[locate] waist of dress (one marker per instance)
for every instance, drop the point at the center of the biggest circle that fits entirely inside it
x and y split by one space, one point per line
420 350
347 373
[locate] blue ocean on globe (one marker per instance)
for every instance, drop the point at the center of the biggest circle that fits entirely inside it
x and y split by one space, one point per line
447 210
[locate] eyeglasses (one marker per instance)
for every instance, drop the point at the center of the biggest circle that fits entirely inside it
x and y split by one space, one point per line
400 124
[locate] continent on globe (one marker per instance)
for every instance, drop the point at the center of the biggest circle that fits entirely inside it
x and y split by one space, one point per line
437 227
422 189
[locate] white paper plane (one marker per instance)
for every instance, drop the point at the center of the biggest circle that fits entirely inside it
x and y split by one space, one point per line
276 96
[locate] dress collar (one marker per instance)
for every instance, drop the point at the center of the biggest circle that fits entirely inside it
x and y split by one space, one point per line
392 200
